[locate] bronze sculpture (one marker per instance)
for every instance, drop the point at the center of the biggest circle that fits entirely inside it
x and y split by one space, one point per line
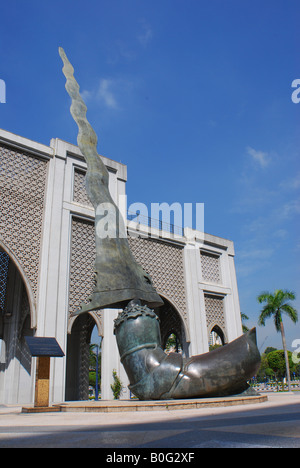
119 278
155 375
121 282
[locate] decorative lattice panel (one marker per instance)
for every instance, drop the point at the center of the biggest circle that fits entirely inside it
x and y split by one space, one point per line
164 263
4 262
210 267
214 309
22 192
83 255
79 190
24 310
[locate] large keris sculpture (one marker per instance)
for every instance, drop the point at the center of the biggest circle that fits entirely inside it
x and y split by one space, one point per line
122 283
119 278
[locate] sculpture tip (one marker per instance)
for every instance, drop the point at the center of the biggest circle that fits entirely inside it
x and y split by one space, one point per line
62 53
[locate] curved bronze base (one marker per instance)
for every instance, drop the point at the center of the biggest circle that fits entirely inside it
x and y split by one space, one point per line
155 375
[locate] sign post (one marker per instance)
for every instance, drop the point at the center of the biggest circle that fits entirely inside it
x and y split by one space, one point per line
43 348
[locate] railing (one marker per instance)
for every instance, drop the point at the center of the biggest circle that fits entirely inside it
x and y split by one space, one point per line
155 223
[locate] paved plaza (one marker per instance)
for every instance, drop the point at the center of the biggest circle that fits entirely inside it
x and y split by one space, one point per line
271 424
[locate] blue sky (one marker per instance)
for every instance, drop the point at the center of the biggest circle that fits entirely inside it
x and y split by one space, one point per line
193 96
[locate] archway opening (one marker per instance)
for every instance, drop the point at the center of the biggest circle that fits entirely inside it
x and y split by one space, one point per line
15 324
172 330
95 364
80 359
173 344
216 338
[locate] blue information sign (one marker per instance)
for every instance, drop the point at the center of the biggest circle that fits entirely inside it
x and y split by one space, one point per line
41 346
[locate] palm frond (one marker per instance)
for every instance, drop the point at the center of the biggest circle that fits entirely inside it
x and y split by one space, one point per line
266 312
289 295
276 304
264 297
291 312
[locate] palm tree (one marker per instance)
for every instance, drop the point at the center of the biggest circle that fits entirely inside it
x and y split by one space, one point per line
276 305
244 317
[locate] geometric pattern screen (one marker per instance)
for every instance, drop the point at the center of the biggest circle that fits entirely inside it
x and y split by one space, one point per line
4 262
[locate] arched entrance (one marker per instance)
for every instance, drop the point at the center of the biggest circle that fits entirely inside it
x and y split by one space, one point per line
216 337
172 328
78 347
15 324
78 358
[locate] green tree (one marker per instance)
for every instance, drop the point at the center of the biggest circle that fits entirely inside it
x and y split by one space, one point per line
117 386
173 344
276 361
275 305
269 349
244 317
265 371
92 365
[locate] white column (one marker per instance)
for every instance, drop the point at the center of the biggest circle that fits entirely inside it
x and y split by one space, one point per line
110 358
235 296
195 300
53 292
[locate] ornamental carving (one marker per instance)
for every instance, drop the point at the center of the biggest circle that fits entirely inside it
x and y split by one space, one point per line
22 189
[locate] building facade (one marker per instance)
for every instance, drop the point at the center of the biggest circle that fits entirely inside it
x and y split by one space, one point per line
47 253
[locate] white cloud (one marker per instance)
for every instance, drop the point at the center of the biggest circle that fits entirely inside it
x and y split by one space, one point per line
252 198
212 123
256 253
106 94
119 51
111 94
146 35
290 208
246 267
86 95
292 183
281 234
262 158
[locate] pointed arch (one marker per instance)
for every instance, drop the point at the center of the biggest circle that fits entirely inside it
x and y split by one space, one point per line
30 295
169 300
218 330
77 357
171 322
97 318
